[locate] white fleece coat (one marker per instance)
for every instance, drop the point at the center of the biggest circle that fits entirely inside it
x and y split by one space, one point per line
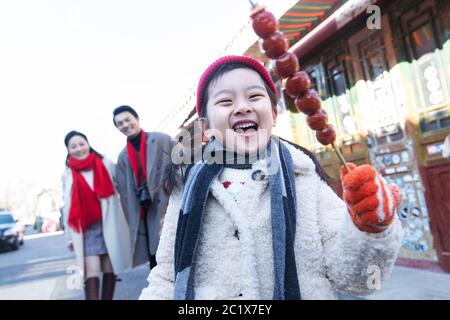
331 253
115 228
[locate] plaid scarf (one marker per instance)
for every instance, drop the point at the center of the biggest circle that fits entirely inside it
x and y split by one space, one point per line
283 215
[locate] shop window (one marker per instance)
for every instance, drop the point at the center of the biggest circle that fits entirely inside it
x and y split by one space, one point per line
313 77
396 136
419 30
337 81
445 123
372 56
426 126
421 39
435 120
382 140
390 134
317 77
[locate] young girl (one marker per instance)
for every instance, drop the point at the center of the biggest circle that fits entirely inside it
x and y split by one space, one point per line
95 224
247 231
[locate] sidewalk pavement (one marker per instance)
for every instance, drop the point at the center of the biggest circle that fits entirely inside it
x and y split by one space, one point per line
411 284
403 284
129 288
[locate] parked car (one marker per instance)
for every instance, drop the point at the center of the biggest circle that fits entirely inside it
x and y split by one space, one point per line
12 232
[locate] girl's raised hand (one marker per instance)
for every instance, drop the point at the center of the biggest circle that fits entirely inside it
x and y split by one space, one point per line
370 201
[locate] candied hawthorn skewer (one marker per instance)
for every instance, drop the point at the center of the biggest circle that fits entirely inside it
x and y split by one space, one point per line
298 83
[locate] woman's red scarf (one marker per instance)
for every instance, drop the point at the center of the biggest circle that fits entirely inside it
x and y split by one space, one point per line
142 164
85 206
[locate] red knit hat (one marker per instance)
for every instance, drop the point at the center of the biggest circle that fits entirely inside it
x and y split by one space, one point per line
250 62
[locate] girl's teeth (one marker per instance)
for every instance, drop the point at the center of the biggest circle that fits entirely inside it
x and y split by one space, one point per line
244 126
244 130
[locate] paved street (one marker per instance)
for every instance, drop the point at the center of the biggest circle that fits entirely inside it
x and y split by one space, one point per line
409 283
41 269
412 284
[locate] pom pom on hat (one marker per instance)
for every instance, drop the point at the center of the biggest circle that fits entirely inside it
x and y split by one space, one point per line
247 61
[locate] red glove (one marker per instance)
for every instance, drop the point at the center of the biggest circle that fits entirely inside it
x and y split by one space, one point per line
370 201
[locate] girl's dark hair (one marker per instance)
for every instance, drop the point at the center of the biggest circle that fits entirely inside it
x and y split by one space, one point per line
213 79
74 133
227 68
274 101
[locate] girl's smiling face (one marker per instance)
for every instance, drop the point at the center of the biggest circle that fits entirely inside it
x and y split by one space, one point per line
239 111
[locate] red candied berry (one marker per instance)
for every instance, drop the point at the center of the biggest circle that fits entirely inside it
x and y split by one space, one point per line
318 121
326 136
298 83
309 102
286 65
264 23
275 45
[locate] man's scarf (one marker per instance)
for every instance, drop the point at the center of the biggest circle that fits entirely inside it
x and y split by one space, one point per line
141 163
138 163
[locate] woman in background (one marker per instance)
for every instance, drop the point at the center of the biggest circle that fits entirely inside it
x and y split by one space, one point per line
95 225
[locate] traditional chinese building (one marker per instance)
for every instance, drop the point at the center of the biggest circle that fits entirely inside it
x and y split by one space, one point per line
382 69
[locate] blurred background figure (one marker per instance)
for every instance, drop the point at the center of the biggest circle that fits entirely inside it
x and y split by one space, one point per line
96 228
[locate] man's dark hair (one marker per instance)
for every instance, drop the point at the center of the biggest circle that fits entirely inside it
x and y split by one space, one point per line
123 109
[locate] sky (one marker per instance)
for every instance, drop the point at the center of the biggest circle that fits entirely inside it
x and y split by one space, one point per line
66 64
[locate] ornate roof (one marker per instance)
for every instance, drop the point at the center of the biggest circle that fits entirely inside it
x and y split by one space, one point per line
304 16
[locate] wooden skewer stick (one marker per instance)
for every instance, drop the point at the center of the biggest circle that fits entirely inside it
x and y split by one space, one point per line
341 157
